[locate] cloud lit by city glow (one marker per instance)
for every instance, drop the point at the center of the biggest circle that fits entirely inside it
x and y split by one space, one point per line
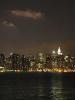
28 13
8 24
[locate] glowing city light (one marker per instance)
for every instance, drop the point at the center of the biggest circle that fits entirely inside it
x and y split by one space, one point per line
59 51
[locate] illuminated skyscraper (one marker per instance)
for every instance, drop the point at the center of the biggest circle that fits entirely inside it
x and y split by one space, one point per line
41 57
59 51
53 52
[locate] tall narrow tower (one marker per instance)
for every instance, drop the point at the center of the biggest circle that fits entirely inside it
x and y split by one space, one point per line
59 51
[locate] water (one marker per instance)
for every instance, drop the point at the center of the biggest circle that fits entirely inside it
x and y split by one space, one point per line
37 86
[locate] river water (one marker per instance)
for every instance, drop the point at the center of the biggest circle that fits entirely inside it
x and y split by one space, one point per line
37 86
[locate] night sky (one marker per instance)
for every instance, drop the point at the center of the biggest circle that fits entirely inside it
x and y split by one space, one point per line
31 26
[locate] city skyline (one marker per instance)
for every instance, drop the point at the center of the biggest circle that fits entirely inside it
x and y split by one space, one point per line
28 27
55 61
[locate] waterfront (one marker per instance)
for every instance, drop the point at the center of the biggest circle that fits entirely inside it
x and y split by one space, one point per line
37 86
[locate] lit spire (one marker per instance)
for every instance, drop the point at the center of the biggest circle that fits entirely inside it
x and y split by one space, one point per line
59 51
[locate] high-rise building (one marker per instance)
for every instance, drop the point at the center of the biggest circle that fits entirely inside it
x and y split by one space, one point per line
59 51
41 57
41 60
15 59
2 60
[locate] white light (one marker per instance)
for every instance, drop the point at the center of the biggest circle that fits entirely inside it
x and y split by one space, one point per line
11 53
53 52
59 51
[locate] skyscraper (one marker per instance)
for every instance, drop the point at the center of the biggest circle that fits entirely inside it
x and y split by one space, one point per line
59 51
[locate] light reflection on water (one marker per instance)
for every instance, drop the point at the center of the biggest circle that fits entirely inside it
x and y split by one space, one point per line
36 86
56 88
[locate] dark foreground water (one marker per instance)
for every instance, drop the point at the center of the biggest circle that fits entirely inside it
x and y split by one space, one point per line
37 86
